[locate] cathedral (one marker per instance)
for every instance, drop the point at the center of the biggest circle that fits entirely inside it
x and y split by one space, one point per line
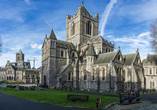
87 61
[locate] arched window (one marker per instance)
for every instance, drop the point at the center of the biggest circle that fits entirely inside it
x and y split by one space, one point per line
150 71
150 84
119 57
106 50
103 74
85 74
62 53
73 28
69 76
93 74
88 27
73 55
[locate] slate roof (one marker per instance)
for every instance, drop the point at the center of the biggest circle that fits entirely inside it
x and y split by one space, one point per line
91 51
3 68
63 43
105 57
62 69
129 58
151 57
97 37
35 71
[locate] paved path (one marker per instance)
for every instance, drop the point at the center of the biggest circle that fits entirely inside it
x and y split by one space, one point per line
151 97
8 102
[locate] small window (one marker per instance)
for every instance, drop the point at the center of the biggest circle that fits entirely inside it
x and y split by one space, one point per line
119 58
85 75
28 76
62 53
69 76
33 76
150 71
73 55
18 58
108 50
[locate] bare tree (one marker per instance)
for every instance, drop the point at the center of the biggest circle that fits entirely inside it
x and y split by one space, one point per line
153 35
0 45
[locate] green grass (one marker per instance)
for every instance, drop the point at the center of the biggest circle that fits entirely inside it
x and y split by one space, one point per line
59 98
97 92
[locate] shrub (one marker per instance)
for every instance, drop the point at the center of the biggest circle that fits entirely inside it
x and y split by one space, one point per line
66 88
55 87
21 87
61 88
70 89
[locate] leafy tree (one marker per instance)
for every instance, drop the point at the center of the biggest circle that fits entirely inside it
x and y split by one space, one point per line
144 60
153 35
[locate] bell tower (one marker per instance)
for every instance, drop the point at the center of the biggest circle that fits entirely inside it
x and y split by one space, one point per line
81 26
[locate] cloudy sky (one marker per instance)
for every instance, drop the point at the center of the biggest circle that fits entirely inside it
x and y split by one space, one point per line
24 23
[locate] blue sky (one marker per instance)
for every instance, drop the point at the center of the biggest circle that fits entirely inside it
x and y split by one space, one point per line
24 23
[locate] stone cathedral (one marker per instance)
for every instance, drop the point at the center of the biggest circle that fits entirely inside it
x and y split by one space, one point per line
87 61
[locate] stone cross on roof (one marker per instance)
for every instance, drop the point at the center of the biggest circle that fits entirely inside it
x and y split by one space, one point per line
82 2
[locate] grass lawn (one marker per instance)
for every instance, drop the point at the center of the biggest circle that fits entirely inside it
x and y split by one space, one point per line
97 92
59 98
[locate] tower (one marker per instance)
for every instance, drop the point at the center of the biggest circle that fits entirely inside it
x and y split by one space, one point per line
81 26
49 59
20 58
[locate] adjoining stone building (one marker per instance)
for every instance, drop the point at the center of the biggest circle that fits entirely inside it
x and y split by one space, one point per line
19 70
150 71
87 61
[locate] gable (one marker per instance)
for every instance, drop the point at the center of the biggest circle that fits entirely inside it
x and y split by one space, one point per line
118 58
137 60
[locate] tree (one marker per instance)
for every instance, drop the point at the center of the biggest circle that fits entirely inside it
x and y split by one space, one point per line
144 60
153 35
0 45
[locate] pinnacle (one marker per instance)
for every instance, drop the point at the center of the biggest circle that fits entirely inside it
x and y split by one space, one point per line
52 35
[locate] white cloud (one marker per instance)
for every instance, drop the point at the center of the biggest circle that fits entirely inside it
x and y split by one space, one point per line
129 44
36 46
105 15
144 11
27 1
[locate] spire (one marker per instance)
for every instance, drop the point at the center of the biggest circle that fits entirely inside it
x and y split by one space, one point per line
20 51
52 35
91 51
